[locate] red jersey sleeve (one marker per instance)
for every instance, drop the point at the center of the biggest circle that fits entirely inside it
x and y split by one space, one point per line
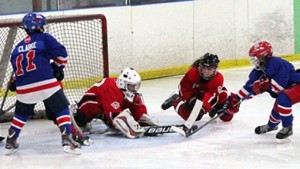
137 107
211 92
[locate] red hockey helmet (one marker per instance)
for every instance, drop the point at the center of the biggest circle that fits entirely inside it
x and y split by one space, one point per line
259 52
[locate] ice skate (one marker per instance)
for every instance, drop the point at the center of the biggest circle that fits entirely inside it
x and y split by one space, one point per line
11 145
1 138
283 134
82 139
169 102
264 129
69 145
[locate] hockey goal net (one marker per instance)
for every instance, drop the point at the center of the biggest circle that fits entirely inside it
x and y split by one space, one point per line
85 38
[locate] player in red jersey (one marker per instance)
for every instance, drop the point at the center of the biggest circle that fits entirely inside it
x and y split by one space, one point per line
117 102
203 82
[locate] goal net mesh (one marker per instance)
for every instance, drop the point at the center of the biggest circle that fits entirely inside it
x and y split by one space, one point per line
85 38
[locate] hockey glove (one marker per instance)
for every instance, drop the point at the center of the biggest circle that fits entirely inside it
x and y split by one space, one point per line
233 104
261 85
12 85
58 73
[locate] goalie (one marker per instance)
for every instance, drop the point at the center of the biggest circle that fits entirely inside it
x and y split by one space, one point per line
117 103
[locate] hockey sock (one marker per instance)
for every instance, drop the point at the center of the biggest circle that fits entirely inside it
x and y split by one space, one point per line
274 119
18 122
63 119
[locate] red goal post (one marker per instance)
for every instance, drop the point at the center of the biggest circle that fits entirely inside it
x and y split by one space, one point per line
85 38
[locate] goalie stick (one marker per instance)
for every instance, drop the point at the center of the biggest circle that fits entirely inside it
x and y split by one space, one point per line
155 130
150 130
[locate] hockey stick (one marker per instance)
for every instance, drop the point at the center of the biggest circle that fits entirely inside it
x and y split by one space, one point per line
191 132
187 126
87 141
2 138
220 113
155 130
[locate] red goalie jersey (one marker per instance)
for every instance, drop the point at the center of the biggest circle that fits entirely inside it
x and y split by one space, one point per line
105 100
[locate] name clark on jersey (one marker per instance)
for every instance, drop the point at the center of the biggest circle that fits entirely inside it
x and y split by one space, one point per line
25 48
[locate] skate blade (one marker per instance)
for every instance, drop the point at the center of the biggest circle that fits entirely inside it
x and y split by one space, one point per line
282 141
10 151
68 149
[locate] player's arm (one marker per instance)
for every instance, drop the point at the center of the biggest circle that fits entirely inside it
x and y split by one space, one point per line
211 96
58 54
246 92
139 111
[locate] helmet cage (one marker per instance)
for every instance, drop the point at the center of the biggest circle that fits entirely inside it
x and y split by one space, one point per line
129 82
258 62
259 53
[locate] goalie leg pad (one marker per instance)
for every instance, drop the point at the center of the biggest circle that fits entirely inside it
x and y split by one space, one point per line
127 125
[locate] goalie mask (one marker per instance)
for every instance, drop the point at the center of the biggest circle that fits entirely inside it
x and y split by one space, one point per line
33 23
129 82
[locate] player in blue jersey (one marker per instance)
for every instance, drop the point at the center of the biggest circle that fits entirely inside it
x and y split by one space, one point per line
38 60
279 78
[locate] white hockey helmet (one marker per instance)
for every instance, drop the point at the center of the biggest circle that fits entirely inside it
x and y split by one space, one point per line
129 82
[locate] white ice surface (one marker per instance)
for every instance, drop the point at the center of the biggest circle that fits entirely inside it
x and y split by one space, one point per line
219 145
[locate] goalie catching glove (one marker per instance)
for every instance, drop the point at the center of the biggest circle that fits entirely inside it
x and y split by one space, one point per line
127 125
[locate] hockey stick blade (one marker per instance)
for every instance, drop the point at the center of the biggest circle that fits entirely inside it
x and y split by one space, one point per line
191 132
189 123
2 138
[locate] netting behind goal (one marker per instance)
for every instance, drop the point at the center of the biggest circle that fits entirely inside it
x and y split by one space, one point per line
85 38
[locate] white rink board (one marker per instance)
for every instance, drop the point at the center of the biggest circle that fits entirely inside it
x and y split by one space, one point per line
173 34
219 145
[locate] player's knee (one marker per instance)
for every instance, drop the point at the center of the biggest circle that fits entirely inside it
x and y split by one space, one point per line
226 117
184 115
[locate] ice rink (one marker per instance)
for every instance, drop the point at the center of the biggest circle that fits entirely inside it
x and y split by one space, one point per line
219 145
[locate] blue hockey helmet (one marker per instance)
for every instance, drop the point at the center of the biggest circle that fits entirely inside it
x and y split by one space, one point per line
33 22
